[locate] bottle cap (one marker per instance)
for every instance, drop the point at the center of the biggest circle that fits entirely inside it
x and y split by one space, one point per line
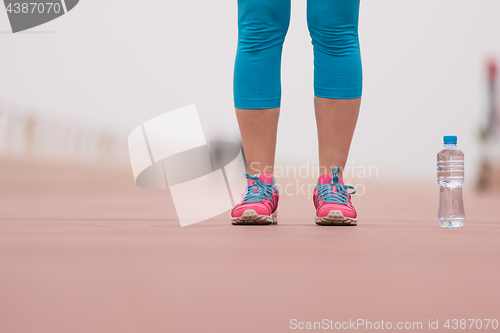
450 139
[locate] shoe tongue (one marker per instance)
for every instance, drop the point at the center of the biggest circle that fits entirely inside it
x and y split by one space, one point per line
264 178
325 179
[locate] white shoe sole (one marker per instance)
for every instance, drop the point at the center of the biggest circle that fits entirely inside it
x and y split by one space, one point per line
335 217
250 217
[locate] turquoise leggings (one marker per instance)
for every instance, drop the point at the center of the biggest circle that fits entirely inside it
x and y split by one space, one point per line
262 27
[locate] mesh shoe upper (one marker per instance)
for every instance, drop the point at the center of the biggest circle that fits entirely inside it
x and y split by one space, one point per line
260 195
332 194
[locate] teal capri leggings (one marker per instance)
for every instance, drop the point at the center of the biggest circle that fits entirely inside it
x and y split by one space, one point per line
262 27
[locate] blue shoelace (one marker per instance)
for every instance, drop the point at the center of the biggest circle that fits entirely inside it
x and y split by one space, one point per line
257 192
327 193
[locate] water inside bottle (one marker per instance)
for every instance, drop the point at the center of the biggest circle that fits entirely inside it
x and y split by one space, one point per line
450 176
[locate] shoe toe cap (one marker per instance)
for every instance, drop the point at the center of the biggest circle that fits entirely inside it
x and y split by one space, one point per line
347 211
239 210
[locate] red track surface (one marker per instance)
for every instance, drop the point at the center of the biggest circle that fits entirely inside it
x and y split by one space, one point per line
81 257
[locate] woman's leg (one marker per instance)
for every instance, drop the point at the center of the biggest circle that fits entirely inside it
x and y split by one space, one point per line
333 26
258 130
262 27
336 120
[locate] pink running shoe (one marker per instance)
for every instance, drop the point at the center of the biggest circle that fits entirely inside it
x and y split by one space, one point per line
259 202
333 201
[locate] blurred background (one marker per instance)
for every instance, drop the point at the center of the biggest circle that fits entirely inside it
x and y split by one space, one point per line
83 249
73 89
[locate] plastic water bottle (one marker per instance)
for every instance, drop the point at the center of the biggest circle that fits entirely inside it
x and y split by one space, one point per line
450 176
